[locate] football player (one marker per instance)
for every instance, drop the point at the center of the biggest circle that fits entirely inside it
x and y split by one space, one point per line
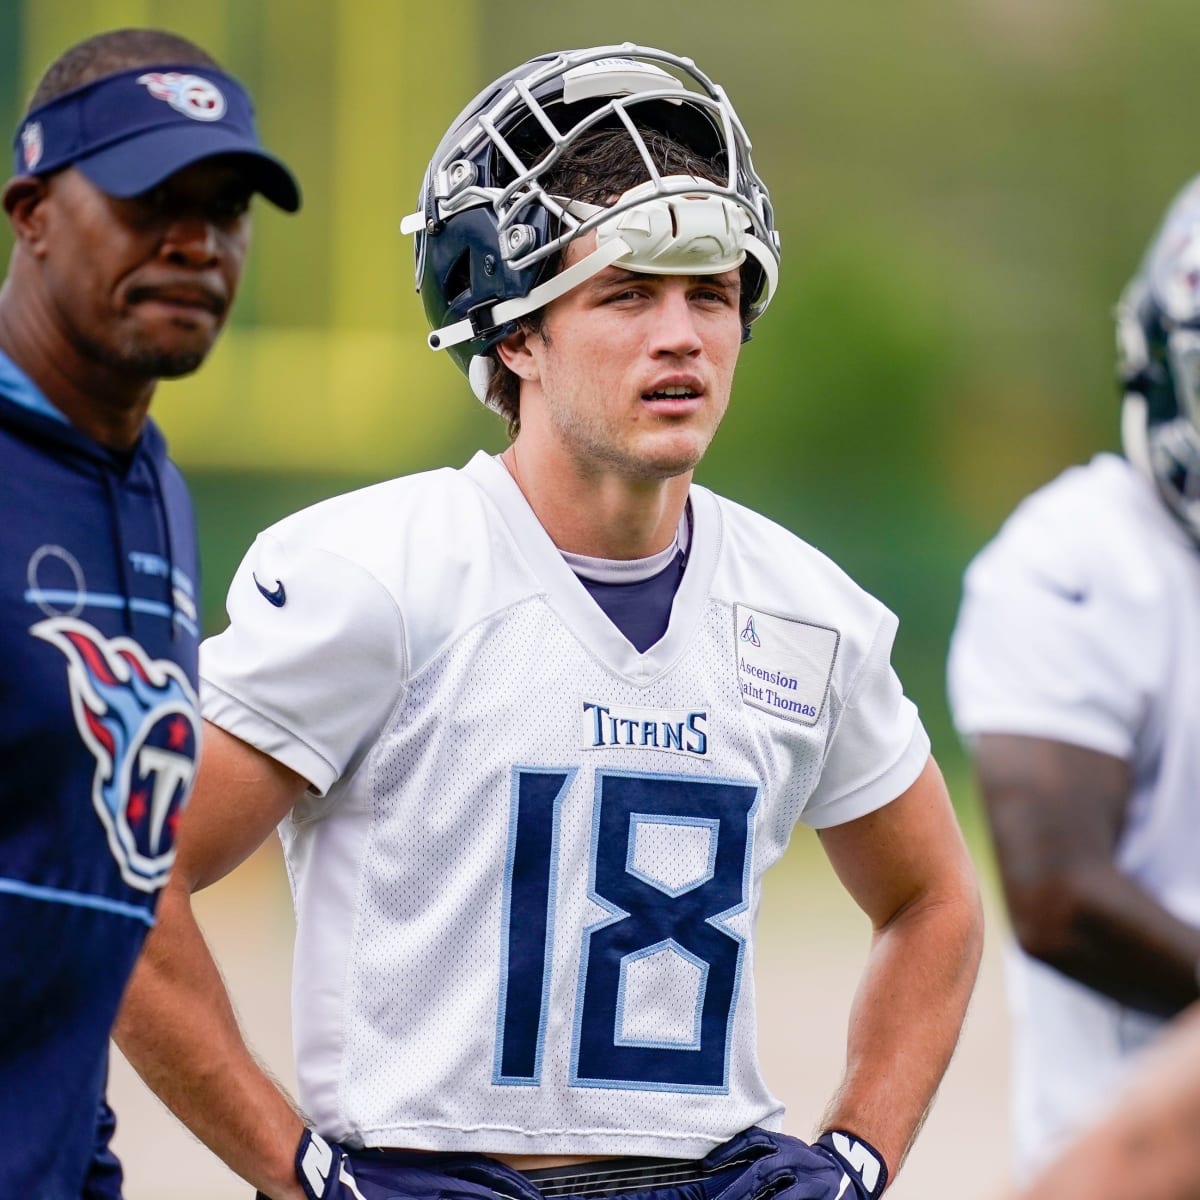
134 169
1071 678
533 730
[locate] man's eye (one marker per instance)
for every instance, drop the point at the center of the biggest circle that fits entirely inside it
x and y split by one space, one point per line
229 208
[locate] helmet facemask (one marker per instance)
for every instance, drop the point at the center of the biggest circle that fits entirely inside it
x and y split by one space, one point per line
1158 326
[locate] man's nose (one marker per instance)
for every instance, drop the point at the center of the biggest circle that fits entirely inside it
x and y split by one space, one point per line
191 239
675 330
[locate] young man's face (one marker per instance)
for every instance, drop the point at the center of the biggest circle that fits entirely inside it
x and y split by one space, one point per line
632 372
144 285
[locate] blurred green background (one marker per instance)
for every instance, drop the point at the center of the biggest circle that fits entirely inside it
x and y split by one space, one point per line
962 186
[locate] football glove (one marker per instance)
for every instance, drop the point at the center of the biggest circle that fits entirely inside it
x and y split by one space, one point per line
324 1171
777 1166
862 1163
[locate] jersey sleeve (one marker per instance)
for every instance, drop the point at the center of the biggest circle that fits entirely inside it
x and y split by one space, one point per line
878 746
1051 641
312 662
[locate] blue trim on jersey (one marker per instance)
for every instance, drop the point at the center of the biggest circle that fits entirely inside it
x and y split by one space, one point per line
670 1068
14 887
532 863
20 389
152 608
712 824
669 946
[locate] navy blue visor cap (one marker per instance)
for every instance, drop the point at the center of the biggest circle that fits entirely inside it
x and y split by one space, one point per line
129 131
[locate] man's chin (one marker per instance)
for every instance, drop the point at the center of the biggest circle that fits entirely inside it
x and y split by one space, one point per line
159 362
672 457
177 366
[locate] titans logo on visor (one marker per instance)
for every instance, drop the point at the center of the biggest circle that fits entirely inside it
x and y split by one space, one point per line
137 716
191 95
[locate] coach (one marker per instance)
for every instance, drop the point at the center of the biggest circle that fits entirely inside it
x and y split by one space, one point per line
135 166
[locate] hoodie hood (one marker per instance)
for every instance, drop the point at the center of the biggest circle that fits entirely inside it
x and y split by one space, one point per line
142 474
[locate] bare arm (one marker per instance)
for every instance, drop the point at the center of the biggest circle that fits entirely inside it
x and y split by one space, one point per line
907 867
1056 813
176 1025
1146 1147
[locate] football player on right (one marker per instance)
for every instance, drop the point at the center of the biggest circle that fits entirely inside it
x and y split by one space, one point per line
1073 679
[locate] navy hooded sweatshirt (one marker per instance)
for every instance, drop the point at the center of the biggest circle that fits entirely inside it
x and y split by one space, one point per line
99 733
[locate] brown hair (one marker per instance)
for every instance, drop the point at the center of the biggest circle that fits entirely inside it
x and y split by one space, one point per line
596 169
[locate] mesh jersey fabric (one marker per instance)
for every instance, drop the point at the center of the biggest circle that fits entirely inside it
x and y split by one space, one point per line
1080 622
527 872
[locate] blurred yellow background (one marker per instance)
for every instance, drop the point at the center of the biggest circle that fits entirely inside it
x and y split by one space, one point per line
962 186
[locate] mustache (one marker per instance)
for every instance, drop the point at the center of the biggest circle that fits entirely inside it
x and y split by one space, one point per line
181 292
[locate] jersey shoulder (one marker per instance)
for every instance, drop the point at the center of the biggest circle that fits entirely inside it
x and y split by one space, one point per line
765 569
1097 528
429 545
766 564
363 525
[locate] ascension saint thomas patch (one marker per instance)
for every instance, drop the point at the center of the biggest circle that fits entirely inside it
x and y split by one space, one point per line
784 665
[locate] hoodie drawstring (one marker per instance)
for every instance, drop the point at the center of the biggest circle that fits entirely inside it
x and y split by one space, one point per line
168 544
114 514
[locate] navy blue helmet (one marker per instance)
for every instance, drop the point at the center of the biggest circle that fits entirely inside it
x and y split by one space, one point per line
1158 352
490 237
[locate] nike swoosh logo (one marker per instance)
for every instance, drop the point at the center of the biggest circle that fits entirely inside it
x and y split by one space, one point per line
277 596
1071 596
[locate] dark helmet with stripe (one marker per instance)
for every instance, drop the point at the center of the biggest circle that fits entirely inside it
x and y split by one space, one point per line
1158 354
490 236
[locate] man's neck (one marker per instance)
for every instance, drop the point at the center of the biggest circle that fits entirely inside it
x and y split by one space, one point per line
109 409
599 514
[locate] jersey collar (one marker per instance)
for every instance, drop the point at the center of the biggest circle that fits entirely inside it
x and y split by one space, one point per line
570 598
16 386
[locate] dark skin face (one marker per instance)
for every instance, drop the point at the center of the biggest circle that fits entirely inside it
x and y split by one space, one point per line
106 296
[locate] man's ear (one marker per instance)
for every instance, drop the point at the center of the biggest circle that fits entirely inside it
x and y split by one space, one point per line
23 198
515 354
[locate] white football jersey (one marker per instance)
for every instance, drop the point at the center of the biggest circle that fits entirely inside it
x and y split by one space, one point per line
527 873
1080 623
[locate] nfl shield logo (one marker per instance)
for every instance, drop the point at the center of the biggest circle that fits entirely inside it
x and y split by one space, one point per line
31 144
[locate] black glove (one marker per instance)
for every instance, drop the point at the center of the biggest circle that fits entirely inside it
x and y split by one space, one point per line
860 1160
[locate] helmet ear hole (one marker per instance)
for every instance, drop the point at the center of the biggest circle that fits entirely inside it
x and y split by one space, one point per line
458 278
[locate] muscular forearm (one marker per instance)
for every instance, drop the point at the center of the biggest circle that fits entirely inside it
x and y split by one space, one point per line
1102 929
905 1021
178 1029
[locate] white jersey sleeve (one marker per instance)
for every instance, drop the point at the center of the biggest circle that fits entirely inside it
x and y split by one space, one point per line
879 746
1058 633
314 655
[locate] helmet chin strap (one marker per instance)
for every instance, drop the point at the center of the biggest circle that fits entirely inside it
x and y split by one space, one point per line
1133 434
510 310
681 233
